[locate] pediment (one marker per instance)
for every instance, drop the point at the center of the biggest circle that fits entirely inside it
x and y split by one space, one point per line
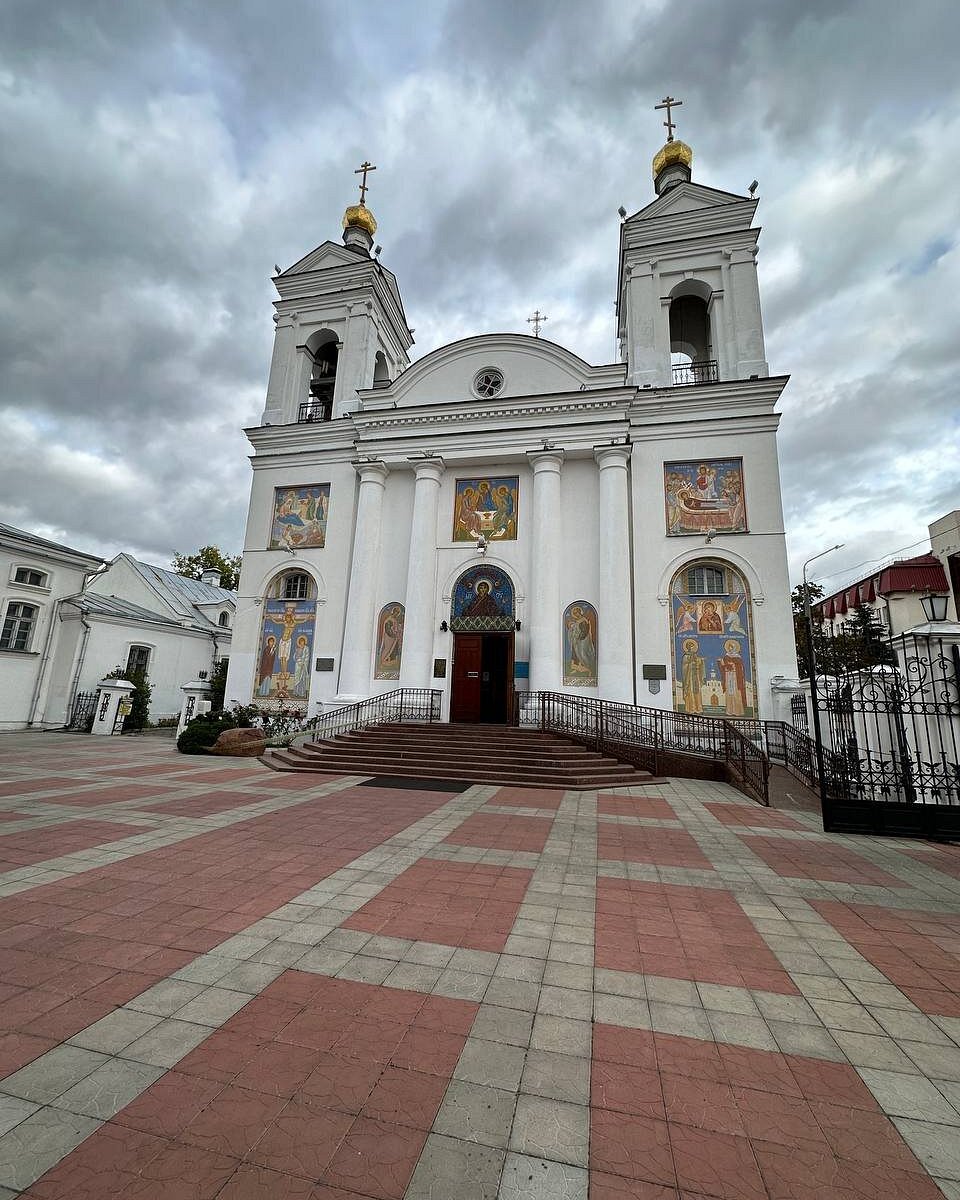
328 254
688 197
530 367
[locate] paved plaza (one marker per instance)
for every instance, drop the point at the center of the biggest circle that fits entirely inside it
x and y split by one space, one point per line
221 981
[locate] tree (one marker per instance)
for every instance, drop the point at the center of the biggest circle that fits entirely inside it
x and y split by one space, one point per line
210 558
218 685
863 640
801 630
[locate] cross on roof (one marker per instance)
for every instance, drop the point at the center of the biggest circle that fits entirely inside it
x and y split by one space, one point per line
363 169
536 321
668 102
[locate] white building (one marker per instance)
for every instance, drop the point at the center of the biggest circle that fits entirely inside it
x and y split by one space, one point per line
35 577
502 515
69 619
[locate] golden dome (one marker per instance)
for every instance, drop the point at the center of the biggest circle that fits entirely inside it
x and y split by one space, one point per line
359 216
672 152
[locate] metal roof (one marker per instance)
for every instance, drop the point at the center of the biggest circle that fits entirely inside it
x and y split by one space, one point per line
31 538
113 606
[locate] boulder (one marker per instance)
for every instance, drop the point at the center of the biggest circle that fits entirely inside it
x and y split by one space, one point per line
240 743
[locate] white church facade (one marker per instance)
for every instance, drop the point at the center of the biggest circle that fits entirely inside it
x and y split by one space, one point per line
500 516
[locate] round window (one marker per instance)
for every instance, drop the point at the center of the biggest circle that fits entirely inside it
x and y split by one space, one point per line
488 383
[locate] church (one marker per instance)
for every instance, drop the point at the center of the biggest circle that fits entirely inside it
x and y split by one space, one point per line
500 516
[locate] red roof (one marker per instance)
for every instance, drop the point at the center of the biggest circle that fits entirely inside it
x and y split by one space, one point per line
924 574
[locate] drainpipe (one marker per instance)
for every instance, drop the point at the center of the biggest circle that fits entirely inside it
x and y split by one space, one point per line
45 659
76 675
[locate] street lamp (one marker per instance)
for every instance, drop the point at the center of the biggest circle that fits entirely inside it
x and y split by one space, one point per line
934 607
817 736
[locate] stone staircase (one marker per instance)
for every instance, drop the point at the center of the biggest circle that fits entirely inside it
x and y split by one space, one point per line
468 753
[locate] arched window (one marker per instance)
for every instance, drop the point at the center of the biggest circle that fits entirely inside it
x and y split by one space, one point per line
381 372
30 576
18 625
712 641
324 349
224 620
296 586
691 341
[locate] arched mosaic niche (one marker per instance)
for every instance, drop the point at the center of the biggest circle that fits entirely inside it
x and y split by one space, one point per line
286 640
580 645
712 637
389 641
483 601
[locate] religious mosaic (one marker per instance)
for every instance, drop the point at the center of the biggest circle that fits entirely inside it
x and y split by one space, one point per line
389 641
286 649
482 601
705 496
300 517
580 645
486 508
712 644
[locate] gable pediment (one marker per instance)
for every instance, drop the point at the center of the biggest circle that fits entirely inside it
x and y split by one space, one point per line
328 254
688 197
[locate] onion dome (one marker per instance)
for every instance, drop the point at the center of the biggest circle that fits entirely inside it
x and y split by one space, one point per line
671 165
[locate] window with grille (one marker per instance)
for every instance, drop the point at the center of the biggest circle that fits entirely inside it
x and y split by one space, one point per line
223 619
30 576
705 581
18 626
296 587
138 660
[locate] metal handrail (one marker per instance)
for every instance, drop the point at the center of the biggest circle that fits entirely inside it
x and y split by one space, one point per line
404 704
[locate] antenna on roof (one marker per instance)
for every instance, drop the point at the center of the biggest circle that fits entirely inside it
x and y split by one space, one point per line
753 187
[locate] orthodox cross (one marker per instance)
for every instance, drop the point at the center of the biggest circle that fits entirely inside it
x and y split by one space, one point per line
668 102
536 321
363 169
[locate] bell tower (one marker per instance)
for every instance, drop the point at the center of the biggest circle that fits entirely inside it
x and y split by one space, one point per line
688 301
340 325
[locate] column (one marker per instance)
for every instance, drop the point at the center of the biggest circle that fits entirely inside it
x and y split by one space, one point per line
416 665
356 665
614 597
543 611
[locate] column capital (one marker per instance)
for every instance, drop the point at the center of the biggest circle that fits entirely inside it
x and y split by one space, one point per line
428 467
372 471
545 459
612 456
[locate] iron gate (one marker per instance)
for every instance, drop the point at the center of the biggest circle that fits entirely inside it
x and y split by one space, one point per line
81 718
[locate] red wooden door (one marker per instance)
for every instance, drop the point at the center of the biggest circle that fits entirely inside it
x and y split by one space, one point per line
467 665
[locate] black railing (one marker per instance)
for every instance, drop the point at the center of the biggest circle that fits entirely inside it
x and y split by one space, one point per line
704 370
405 704
645 737
315 410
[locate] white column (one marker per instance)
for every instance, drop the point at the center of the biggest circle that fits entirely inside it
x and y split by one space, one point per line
356 665
416 664
614 607
543 619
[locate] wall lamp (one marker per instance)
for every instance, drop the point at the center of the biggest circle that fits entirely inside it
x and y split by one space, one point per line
934 607
516 626
444 627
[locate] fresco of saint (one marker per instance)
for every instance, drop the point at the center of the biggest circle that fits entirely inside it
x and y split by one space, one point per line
703 496
485 508
300 517
580 645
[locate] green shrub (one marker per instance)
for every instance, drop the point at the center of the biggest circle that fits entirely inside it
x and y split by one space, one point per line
202 732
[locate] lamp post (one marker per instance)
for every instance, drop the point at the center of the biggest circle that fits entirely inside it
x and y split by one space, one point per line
817 736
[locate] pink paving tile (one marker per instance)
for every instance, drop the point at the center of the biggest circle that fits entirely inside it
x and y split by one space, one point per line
203 806
519 797
941 858
805 1128
47 783
753 816
13 816
683 933
93 797
918 952
792 858
636 806
456 904
36 845
650 844
227 775
497 831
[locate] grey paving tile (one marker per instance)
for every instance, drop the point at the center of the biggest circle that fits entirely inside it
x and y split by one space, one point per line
910 1026
428 954
461 985
324 961
483 962
109 1088
551 1129
452 1167
852 1017
673 991
912 1096
774 1007
165 998
812 1041
167 1043
476 1114
936 1062
38 1143
684 1022
619 983
565 1002
740 1030
213 1006
366 969
508 1025
113 1032
866 1050
493 1064
251 977
937 1146
13 1110
723 998
513 993
50 1075
629 1011
556 1076
562 1035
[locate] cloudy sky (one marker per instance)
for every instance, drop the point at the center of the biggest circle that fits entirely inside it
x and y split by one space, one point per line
159 156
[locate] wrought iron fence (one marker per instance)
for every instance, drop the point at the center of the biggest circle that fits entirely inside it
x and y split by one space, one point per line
81 716
891 727
644 736
798 714
315 410
405 704
704 370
